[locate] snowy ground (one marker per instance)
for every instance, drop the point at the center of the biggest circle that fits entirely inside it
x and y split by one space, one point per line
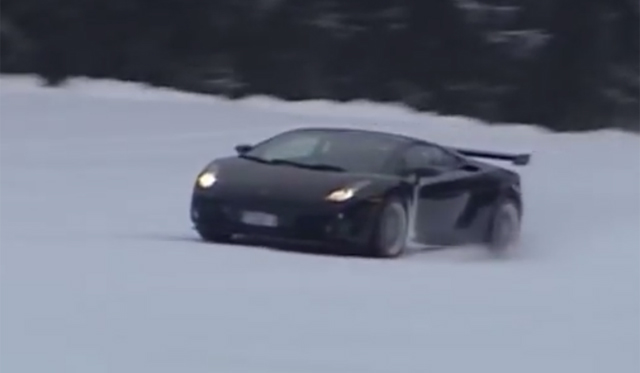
100 271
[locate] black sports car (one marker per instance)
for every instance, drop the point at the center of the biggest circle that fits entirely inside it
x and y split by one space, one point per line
345 188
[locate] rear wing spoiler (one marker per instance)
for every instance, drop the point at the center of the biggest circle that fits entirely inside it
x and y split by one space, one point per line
516 159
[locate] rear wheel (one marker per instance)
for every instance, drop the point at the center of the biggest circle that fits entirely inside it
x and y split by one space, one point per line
390 237
504 232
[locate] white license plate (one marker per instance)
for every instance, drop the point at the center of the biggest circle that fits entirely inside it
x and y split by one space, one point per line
259 218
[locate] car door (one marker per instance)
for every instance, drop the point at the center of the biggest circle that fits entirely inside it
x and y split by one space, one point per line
442 194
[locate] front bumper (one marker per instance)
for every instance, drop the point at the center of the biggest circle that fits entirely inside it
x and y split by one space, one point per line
318 224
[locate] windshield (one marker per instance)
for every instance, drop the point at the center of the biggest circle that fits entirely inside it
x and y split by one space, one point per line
351 151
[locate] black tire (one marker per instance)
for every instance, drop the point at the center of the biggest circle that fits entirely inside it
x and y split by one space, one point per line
210 235
389 240
504 230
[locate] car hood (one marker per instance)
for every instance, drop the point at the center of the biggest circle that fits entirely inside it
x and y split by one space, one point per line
238 177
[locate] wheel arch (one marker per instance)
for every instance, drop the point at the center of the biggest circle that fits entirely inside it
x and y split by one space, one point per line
402 190
509 193
509 190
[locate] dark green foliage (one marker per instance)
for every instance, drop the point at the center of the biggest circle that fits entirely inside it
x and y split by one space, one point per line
566 64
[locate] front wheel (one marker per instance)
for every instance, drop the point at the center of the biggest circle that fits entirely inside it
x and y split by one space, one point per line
390 236
504 232
209 235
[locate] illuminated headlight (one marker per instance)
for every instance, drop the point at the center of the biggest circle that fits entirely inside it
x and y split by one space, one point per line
341 195
206 179
346 193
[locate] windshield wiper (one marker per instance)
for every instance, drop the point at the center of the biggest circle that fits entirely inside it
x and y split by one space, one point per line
277 161
312 166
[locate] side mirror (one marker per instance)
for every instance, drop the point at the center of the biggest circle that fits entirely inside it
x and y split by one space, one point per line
243 148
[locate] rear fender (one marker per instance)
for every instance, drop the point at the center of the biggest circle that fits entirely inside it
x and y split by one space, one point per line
509 191
516 197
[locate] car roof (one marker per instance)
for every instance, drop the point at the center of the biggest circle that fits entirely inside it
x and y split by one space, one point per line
390 135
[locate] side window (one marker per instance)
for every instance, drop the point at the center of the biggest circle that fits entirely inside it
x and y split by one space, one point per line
428 156
297 147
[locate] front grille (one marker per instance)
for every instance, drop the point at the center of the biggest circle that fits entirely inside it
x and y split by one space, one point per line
296 221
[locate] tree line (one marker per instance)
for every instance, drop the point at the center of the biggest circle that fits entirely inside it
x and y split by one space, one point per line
565 64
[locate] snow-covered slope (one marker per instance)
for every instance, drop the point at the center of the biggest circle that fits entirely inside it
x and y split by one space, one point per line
100 271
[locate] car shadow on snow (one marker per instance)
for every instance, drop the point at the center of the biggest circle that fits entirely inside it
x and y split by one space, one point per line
448 254
252 243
